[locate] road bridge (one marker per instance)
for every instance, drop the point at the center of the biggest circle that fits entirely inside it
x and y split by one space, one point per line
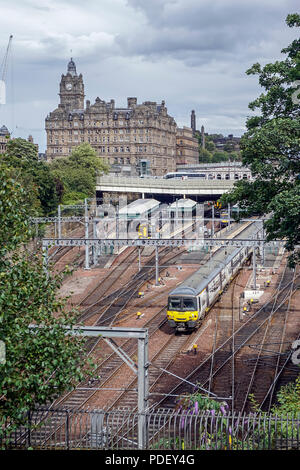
165 190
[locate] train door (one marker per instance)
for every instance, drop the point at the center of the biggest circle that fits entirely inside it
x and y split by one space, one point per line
202 303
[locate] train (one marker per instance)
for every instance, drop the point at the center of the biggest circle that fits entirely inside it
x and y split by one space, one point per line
185 175
224 217
189 302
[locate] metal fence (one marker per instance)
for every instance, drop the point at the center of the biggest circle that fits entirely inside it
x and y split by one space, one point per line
117 429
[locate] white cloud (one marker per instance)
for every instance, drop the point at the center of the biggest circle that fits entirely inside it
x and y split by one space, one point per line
191 53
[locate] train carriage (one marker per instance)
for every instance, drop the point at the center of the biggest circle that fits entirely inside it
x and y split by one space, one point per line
189 302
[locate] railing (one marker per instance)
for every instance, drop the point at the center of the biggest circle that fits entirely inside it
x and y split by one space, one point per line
165 429
191 183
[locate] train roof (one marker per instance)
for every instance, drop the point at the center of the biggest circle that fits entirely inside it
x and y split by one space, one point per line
199 280
183 204
138 207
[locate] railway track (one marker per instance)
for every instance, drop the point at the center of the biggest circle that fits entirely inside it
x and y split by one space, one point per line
60 252
217 365
274 331
93 298
77 398
163 359
108 307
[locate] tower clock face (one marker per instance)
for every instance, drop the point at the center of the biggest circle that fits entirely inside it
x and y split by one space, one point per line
68 86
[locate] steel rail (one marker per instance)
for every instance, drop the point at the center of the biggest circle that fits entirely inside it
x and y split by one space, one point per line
140 278
113 272
271 392
262 342
128 343
252 334
227 341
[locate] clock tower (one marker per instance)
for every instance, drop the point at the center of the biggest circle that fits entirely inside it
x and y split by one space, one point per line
71 89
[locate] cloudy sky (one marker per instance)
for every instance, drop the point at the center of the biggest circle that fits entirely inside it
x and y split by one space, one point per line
191 53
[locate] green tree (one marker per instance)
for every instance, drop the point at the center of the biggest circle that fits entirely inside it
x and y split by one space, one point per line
204 156
21 157
76 175
220 157
210 146
234 156
42 363
229 146
271 149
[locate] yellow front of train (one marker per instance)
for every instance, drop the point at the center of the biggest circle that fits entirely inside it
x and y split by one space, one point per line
182 312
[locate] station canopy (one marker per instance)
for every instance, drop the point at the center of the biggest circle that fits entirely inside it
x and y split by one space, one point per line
186 204
139 208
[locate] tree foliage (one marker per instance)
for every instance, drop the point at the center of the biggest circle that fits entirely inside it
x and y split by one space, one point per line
21 157
271 149
210 154
76 174
41 363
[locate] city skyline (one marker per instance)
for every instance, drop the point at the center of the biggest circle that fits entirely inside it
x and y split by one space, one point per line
192 54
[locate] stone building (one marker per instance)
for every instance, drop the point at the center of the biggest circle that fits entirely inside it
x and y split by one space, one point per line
187 147
4 137
30 139
141 135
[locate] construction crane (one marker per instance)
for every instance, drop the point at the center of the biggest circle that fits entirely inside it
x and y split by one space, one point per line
3 72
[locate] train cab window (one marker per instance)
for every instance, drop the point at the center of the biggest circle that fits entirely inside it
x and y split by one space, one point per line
174 303
189 304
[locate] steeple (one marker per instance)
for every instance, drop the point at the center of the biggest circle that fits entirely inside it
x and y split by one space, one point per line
72 67
71 89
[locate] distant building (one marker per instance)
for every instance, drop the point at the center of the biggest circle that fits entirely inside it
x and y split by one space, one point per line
4 137
30 139
42 156
141 135
187 147
231 143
